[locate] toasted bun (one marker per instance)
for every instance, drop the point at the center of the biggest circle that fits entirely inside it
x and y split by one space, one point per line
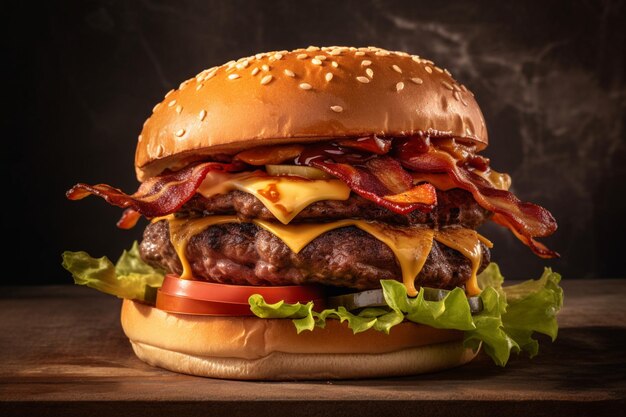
302 96
253 348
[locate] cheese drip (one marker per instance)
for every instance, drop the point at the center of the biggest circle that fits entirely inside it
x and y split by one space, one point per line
284 197
467 242
410 245
182 230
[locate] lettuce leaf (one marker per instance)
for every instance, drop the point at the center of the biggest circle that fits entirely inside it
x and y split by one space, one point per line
510 315
129 278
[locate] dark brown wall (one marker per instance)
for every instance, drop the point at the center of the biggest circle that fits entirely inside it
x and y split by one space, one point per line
80 78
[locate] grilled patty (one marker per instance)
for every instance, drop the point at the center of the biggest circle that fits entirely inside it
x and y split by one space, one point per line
245 254
454 207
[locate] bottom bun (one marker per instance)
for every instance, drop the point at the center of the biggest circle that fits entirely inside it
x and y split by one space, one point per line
270 349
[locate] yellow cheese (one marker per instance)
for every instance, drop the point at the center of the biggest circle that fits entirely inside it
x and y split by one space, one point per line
466 241
284 197
182 229
410 245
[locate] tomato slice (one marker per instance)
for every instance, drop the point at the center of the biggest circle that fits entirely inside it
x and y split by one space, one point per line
207 298
238 294
183 305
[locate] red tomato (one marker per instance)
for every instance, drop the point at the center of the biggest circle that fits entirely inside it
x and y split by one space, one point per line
174 304
199 297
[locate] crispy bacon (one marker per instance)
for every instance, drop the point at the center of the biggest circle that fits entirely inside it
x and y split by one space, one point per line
371 177
157 196
129 219
526 220
389 171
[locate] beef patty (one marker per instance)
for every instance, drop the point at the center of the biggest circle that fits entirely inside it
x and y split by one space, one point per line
454 207
245 254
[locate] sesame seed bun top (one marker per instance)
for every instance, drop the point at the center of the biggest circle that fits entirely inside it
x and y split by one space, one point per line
302 96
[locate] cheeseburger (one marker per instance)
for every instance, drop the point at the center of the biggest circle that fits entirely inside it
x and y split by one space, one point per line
313 214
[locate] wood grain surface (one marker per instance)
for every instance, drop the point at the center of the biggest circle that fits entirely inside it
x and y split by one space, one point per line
63 353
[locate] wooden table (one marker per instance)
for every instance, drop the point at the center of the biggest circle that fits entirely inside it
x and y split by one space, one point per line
63 353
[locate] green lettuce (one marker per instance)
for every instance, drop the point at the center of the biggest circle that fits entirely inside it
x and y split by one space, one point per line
130 277
507 322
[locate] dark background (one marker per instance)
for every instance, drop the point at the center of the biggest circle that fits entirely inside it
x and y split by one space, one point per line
81 77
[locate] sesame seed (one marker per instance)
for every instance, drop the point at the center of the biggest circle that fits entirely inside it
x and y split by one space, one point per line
139 138
369 72
464 102
259 56
336 109
183 85
233 76
363 80
400 86
239 66
305 86
334 64
265 67
159 151
457 95
316 61
456 87
266 79
302 56
447 72
335 52
320 57
439 70
382 52
366 63
416 58
168 93
156 107
171 103
202 115
417 80
447 85
463 88
255 71
328 76
179 109
396 69
428 70
208 76
278 56
312 48
199 86
180 132
289 73
468 131
359 53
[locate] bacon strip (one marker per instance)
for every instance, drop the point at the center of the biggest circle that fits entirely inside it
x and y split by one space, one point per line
129 219
157 196
525 220
367 185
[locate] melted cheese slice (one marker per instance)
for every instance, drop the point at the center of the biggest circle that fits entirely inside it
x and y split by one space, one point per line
284 197
410 245
182 230
467 242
